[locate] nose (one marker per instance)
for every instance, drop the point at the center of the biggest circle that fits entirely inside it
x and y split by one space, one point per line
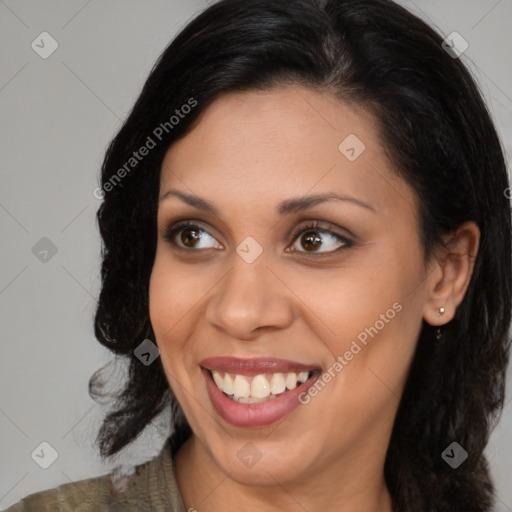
250 300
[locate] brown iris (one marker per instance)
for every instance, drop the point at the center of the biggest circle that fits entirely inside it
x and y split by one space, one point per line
311 241
190 237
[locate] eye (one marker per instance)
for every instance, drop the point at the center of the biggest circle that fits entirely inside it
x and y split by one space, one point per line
186 235
314 239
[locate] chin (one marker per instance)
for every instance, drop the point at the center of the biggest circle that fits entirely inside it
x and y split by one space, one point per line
263 463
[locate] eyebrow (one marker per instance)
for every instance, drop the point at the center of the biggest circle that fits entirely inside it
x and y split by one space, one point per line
285 207
305 202
194 201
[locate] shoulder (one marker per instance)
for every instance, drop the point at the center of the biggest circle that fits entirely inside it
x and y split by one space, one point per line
90 494
150 487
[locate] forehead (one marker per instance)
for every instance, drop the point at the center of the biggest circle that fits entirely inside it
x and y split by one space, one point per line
259 147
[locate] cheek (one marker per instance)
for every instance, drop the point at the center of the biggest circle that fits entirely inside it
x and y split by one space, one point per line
175 292
358 299
171 301
370 327
369 314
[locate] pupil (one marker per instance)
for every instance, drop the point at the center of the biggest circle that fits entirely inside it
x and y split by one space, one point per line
190 237
311 241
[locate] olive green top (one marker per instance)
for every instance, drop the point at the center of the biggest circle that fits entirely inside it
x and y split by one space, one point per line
151 487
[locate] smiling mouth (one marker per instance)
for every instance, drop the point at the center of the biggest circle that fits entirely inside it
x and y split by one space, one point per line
258 388
256 392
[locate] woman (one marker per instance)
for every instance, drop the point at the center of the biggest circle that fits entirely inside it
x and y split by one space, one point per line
306 213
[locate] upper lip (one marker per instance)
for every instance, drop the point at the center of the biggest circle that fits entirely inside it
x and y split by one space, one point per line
255 366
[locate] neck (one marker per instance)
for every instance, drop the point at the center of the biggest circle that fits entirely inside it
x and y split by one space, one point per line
340 487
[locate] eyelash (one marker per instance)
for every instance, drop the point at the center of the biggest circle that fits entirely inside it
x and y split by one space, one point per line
174 230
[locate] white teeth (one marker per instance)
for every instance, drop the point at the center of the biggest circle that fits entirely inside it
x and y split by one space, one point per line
218 379
291 381
302 377
277 383
241 387
227 386
250 390
260 387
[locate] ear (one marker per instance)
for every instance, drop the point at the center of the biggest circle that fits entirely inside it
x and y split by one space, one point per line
450 271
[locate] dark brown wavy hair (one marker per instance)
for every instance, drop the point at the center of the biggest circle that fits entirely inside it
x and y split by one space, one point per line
434 127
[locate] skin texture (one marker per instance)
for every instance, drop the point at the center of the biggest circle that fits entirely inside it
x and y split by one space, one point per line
249 152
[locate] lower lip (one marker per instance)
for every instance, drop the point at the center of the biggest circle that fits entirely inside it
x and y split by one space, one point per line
255 415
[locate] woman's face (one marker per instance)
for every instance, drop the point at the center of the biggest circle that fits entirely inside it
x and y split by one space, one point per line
301 262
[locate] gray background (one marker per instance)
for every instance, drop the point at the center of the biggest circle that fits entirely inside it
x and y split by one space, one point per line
58 115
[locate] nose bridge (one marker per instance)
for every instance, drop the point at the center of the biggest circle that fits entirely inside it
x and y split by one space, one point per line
248 298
